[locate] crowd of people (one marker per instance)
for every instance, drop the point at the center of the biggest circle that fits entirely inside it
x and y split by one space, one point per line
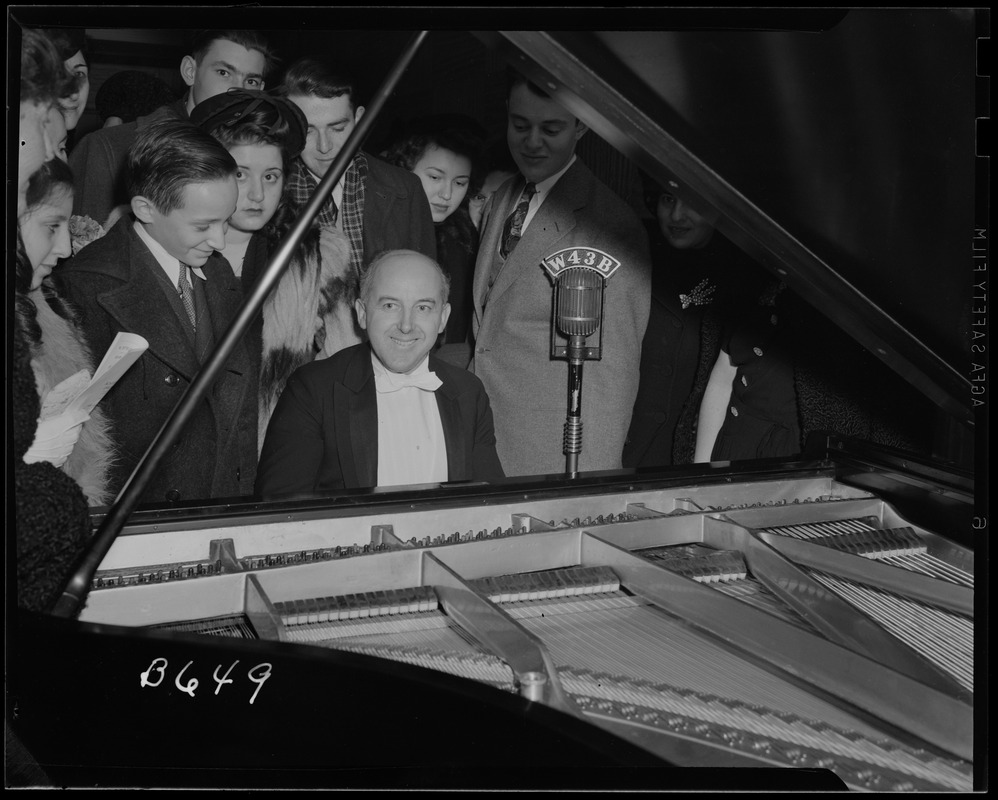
409 339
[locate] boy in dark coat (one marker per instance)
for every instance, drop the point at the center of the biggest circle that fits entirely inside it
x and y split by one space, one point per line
158 276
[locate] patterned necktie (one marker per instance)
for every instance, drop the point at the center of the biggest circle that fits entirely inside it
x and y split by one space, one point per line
513 229
187 294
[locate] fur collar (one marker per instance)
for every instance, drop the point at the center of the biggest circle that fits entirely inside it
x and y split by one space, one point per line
308 315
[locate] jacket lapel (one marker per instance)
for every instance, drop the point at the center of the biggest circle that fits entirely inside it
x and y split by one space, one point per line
355 409
254 262
554 220
140 305
451 421
224 297
492 223
380 199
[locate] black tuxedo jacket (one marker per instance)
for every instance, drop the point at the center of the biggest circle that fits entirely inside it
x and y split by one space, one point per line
323 435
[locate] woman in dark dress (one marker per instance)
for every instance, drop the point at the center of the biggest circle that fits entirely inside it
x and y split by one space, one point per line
699 280
736 366
749 408
784 372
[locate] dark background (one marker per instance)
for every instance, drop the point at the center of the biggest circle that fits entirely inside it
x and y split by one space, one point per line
453 72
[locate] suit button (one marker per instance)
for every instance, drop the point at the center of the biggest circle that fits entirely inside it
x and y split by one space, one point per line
659 416
172 380
173 495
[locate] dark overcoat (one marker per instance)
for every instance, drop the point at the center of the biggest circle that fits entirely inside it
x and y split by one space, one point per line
112 284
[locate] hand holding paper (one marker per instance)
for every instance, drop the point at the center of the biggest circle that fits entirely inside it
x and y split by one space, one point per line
124 351
60 396
81 393
68 404
56 437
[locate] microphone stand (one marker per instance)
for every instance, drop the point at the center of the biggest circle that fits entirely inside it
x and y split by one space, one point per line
573 425
577 313
70 603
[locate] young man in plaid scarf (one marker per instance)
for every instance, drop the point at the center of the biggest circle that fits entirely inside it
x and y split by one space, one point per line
376 206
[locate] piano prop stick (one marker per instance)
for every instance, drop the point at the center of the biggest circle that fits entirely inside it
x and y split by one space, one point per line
580 275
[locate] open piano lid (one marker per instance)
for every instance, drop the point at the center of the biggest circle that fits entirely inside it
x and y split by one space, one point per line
842 157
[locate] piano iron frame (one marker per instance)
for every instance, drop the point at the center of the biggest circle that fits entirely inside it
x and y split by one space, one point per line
295 732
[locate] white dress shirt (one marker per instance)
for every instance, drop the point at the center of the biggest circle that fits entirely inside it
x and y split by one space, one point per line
337 195
411 445
170 264
543 189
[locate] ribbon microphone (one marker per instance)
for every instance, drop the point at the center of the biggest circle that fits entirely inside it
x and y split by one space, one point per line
579 275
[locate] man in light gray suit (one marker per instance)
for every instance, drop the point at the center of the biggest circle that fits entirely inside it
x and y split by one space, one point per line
554 203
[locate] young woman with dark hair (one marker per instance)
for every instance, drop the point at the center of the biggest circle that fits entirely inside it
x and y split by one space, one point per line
80 446
446 159
71 45
43 82
52 524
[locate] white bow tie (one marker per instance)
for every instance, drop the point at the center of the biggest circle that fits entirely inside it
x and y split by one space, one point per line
393 381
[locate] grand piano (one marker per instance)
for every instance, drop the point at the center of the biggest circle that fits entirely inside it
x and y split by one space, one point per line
774 624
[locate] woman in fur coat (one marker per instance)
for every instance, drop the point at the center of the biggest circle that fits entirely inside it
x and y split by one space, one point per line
82 447
309 314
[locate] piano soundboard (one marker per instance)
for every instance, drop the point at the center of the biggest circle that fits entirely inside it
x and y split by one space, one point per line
793 622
